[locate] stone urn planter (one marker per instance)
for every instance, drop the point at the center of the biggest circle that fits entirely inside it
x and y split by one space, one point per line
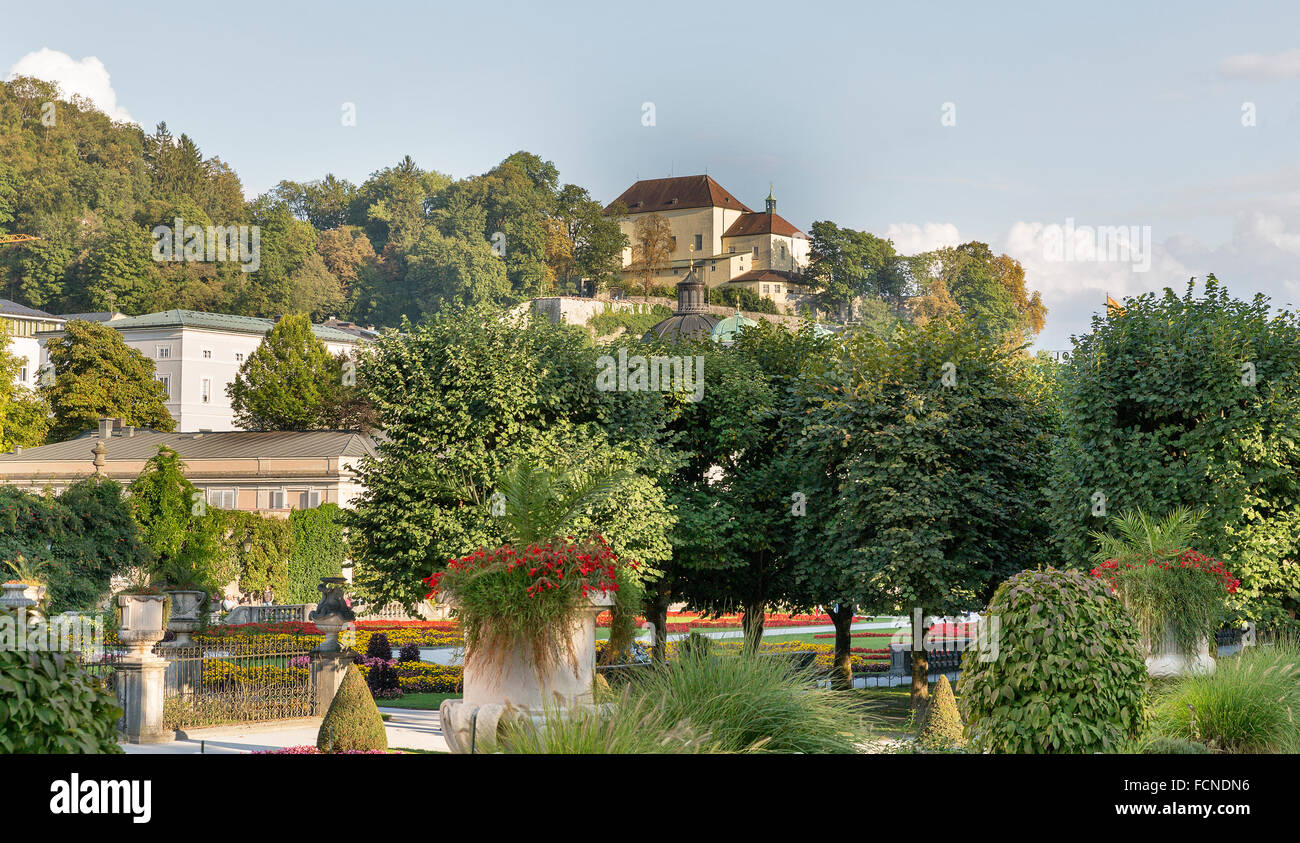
497 685
24 595
332 612
185 616
1166 660
142 622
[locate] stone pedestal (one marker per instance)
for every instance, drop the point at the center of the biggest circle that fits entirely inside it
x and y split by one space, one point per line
140 678
140 694
1166 660
502 684
328 669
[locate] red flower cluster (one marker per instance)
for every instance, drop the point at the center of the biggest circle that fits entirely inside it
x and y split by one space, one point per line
546 565
1109 570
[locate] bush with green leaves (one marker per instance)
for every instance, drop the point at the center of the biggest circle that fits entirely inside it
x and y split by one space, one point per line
82 538
353 721
1068 675
50 704
318 549
175 524
1250 703
1190 401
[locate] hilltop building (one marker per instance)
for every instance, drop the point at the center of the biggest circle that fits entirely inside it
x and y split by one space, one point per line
719 237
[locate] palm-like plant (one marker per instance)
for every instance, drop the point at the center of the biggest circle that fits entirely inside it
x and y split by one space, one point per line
28 572
1138 536
537 503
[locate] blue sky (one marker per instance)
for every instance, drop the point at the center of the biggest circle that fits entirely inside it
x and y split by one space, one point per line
1113 114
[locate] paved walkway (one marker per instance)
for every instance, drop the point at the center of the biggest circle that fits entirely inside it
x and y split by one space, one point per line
407 729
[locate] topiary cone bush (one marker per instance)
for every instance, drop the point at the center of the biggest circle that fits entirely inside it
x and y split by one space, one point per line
1068 675
941 726
353 721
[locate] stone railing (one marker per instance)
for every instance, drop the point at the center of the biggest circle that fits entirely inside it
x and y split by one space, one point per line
287 613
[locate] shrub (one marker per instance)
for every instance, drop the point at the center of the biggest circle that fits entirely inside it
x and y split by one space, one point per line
1069 676
941 726
1251 703
383 680
752 704
318 550
50 704
378 647
409 653
353 721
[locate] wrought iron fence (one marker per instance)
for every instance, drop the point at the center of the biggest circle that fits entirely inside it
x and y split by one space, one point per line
238 680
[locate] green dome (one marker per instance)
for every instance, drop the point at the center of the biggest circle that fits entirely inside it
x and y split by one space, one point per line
725 331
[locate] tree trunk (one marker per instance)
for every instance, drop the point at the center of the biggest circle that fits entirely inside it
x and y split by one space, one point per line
657 613
753 626
920 679
842 671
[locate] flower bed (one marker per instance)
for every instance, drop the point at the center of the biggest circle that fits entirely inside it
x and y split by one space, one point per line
400 633
687 621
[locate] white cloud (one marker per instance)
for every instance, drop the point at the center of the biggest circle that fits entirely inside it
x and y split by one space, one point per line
910 238
87 77
1284 65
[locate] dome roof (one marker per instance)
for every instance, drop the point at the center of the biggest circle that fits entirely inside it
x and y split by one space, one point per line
692 320
683 326
725 331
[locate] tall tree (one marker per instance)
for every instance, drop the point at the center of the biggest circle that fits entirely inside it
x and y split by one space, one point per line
924 455
175 525
24 416
288 382
96 374
989 289
846 265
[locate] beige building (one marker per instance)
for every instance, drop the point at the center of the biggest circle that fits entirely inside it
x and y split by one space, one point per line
271 473
727 242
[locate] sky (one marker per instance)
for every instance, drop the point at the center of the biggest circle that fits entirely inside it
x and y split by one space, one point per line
1169 140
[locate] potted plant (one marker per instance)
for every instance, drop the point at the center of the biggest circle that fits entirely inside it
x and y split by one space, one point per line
1177 595
528 606
188 585
142 611
28 579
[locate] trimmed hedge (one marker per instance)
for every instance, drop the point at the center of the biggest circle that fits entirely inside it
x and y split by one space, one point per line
352 722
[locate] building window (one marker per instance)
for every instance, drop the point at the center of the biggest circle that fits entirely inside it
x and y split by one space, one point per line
755 251
674 244
206 390
782 250
776 288
764 289
276 499
221 498
164 352
239 358
207 354
166 381
309 499
699 242
713 268
22 375
731 250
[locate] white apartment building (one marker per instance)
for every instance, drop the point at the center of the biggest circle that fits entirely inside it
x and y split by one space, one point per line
197 355
22 324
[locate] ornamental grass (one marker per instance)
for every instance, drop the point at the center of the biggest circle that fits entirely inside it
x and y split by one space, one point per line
1250 704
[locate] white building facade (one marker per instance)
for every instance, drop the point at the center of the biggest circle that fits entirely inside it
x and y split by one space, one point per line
22 325
197 355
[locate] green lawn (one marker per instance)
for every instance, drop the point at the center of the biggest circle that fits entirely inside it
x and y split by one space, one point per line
428 701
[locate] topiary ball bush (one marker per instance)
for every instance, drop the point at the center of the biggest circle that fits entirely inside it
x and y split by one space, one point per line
378 647
383 681
50 704
353 721
941 727
1068 675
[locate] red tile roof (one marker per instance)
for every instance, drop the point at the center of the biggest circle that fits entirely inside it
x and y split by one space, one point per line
672 194
762 223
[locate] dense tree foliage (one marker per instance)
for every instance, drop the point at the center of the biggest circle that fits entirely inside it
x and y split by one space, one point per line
1194 401
318 549
460 398
175 526
24 415
96 374
84 536
924 454
403 243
